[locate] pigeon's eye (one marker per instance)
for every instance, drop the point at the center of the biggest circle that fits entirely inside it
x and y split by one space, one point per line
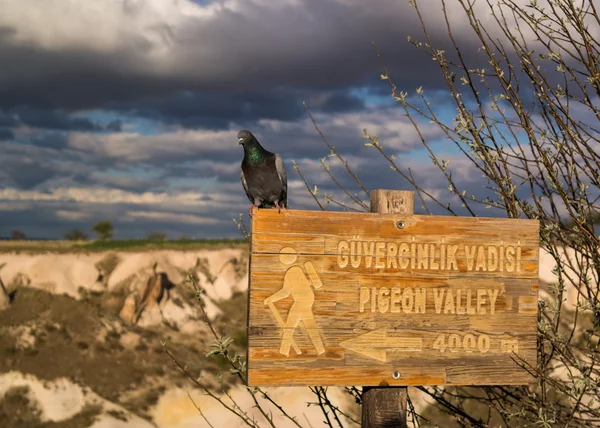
247 135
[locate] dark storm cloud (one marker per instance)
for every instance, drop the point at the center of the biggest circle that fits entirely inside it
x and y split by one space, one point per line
54 120
6 134
53 140
25 173
26 166
321 45
8 120
336 102
72 78
218 111
115 126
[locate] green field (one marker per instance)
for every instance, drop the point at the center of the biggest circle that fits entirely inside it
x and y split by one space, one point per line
118 245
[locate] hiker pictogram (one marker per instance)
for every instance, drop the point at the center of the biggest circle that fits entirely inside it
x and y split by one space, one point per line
299 285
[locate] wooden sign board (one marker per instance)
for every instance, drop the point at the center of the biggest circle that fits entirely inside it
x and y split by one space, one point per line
364 299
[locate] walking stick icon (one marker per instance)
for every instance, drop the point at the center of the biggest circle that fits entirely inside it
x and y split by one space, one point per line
282 325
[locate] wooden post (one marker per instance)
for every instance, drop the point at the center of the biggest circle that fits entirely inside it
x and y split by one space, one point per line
385 407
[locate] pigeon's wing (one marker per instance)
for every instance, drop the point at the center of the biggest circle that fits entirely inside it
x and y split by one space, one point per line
282 176
245 184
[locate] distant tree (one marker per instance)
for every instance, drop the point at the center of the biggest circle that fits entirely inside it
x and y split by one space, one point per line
184 238
17 235
104 228
157 236
76 235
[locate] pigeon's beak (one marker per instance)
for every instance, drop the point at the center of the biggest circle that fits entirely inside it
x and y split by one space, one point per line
240 140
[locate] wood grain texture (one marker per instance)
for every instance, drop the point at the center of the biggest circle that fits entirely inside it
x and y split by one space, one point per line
440 300
392 201
384 408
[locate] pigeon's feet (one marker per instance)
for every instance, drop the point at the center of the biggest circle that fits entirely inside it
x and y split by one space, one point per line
251 209
279 207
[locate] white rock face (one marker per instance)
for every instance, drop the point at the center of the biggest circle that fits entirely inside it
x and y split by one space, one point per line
57 400
60 399
128 310
131 263
15 264
568 258
57 273
66 273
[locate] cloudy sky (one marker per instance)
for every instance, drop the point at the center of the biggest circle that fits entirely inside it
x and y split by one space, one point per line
127 110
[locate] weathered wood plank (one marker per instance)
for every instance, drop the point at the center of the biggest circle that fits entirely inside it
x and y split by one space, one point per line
460 375
351 298
375 226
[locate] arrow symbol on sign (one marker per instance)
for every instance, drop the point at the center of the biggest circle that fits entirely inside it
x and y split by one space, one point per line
376 344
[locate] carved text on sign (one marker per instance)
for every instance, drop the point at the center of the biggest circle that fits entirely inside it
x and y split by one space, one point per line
468 343
414 255
410 300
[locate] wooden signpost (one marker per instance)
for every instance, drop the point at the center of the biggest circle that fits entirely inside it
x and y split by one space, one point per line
370 299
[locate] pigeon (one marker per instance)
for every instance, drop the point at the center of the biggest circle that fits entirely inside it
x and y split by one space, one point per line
263 175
